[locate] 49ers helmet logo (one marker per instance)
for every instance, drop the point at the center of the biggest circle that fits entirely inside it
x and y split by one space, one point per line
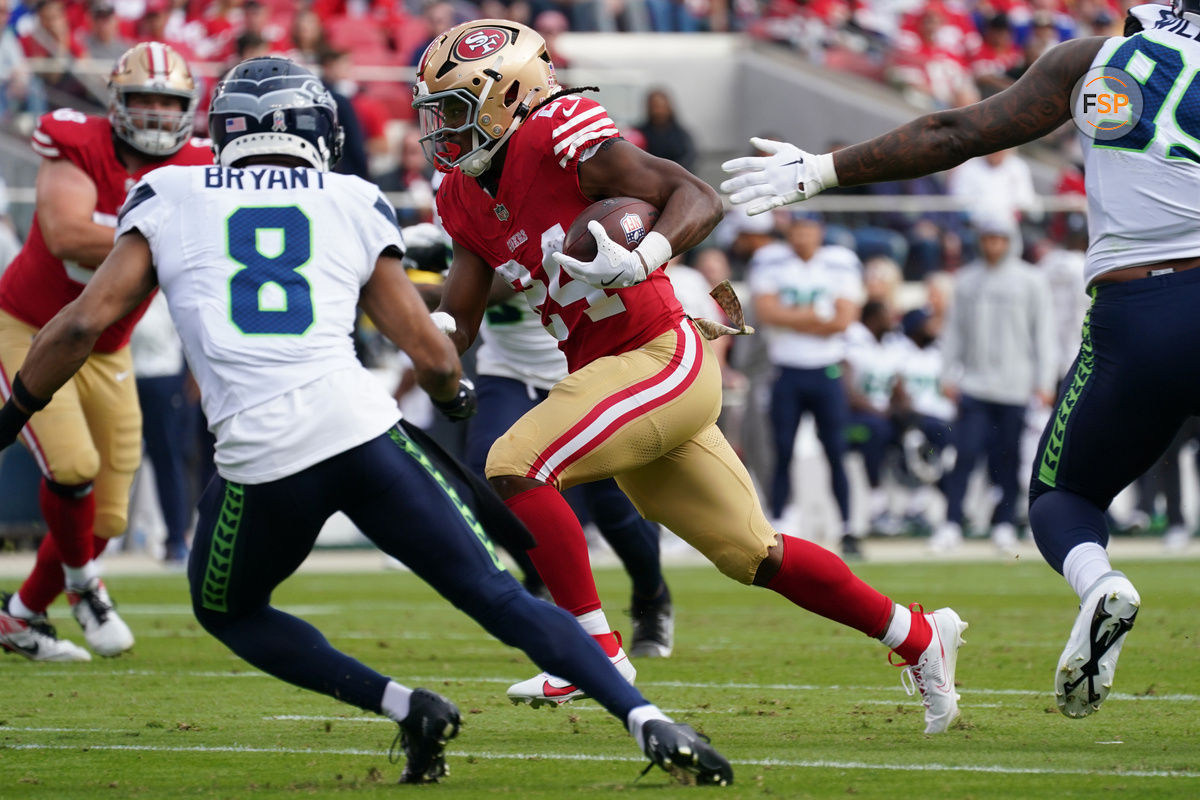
480 43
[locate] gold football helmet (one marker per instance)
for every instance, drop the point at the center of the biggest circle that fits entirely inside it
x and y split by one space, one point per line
152 68
483 77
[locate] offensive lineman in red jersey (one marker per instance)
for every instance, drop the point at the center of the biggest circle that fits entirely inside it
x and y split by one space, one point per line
523 158
87 442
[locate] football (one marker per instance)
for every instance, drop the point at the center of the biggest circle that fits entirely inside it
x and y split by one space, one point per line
625 219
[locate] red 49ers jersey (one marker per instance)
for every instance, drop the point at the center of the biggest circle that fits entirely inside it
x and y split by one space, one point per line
516 231
36 285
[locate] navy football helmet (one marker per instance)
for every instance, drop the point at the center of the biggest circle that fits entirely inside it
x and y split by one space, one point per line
274 106
1187 9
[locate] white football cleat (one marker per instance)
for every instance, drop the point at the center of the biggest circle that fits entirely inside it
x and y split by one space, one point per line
35 638
933 674
947 537
1087 665
1004 538
545 689
104 630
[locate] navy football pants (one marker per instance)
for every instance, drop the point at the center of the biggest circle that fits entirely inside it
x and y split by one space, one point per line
820 391
1133 384
251 537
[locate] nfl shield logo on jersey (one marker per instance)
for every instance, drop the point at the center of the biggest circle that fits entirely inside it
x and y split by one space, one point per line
501 212
634 228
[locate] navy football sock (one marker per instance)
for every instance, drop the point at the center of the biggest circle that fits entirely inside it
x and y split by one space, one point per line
1061 520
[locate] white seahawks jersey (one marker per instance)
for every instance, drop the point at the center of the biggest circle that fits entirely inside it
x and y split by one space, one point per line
921 371
832 273
262 269
1143 188
874 365
516 345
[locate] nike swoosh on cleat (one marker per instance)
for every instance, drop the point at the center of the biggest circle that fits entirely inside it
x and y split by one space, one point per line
553 691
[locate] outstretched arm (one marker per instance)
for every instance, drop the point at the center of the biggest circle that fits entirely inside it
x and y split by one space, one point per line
1031 108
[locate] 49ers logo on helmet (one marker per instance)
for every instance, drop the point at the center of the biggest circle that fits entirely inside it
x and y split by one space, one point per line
480 44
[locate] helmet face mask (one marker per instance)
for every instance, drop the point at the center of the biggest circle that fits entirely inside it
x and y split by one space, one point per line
152 68
476 83
272 106
443 116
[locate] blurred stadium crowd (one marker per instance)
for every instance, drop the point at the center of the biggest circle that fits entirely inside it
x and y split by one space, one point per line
905 246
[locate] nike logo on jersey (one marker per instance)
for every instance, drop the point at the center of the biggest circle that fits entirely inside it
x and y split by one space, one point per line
120 376
569 111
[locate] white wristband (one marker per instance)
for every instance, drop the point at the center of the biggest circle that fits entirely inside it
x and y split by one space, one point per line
655 250
825 171
444 322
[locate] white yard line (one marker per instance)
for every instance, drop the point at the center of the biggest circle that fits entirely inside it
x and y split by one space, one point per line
996 769
85 672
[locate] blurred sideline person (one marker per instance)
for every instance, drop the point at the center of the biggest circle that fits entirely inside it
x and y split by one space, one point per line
303 430
1134 381
874 361
88 442
162 377
807 294
999 346
644 390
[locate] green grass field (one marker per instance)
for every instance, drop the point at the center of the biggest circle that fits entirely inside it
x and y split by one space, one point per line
803 707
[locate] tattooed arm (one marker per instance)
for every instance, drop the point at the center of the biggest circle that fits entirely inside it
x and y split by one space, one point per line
1031 108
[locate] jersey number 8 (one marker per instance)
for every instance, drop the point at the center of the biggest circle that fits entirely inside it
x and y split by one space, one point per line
269 295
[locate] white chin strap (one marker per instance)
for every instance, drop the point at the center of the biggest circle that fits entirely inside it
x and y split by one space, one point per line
477 163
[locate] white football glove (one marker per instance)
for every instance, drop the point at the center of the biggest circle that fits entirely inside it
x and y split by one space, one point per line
444 322
788 175
614 267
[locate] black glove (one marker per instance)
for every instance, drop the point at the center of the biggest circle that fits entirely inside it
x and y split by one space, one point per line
463 405
12 418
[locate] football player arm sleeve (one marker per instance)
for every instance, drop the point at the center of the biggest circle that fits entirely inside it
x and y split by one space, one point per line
1034 106
66 200
121 283
688 207
466 295
394 305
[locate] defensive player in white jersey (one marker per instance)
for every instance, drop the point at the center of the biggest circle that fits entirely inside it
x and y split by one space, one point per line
807 294
1134 381
875 393
264 260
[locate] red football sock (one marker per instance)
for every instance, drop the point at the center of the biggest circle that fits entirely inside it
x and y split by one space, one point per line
46 580
817 580
919 637
561 557
72 523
